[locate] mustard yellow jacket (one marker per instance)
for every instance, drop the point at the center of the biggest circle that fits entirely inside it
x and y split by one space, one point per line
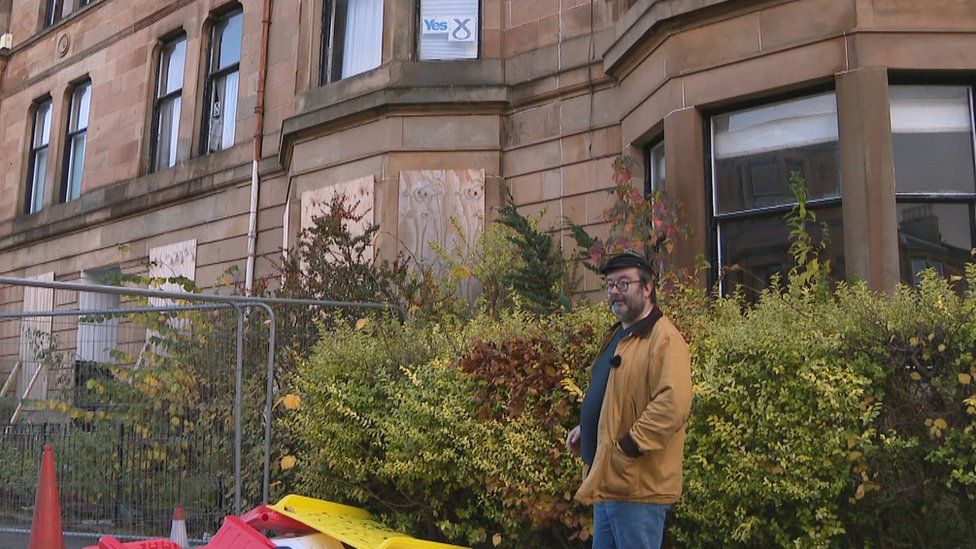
641 433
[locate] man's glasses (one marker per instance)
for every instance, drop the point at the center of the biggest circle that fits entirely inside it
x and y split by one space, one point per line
621 285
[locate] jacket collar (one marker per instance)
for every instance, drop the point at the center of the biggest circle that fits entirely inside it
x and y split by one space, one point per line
642 328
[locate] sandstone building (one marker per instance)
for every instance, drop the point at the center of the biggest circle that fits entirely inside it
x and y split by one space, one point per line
134 130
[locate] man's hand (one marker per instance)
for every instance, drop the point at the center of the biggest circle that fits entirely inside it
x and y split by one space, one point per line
573 441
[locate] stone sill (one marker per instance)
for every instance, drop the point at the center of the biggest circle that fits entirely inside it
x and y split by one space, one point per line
466 84
187 179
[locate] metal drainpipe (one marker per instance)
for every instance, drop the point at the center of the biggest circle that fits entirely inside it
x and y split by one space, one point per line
252 222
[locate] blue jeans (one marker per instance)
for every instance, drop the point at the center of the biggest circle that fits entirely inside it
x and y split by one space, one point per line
628 525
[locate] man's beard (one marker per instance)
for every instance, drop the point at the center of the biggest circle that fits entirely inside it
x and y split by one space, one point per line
628 308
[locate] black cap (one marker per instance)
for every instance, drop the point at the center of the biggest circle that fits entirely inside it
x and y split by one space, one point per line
625 260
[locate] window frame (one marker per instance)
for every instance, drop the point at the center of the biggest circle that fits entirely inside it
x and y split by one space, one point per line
169 41
31 187
211 75
715 220
328 70
957 198
649 170
419 29
54 10
69 143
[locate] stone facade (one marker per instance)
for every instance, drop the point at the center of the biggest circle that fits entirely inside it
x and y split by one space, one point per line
559 89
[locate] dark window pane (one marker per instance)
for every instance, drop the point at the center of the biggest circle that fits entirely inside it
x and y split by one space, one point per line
759 247
939 236
755 150
933 139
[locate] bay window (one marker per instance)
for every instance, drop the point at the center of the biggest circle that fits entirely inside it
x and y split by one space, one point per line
935 178
754 153
352 38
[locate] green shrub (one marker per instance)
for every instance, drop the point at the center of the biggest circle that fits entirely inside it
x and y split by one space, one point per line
390 422
824 414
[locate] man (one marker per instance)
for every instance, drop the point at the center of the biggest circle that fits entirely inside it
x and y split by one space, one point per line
631 434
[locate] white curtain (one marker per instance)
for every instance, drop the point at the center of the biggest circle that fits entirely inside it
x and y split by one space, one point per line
362 47
230 111
930 109
786 125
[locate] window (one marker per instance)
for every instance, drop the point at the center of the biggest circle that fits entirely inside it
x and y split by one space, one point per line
166 107
656 175
448 29
754 151
75 142
935 178
37 158
223 72
56 10
352 38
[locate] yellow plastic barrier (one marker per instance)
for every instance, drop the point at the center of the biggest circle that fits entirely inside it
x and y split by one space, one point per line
350 525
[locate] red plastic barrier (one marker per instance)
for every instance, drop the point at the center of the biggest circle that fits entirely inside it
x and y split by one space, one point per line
263 517
236 534
108 542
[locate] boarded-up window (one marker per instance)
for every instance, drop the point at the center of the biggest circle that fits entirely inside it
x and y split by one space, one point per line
96 338
429 201
359 196
35 339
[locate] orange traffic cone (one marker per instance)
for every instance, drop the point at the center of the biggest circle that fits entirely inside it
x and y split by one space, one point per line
46 528
177 534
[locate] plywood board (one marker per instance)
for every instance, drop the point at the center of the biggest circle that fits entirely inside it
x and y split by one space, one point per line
35 338
359 194
429 201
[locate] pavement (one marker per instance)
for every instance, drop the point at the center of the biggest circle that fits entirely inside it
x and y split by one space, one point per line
10 540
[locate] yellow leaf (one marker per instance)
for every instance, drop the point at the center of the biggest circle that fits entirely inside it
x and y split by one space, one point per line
860 492
928 421
931 336
291 401
942 347
965 379
361 323
854 455
913 341
174 421
940 423
496 540
287 462
971 410
851 440
915 376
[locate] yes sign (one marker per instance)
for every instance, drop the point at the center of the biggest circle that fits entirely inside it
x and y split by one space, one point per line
458 29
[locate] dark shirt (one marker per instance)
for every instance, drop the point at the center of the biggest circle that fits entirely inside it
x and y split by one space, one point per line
593 401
